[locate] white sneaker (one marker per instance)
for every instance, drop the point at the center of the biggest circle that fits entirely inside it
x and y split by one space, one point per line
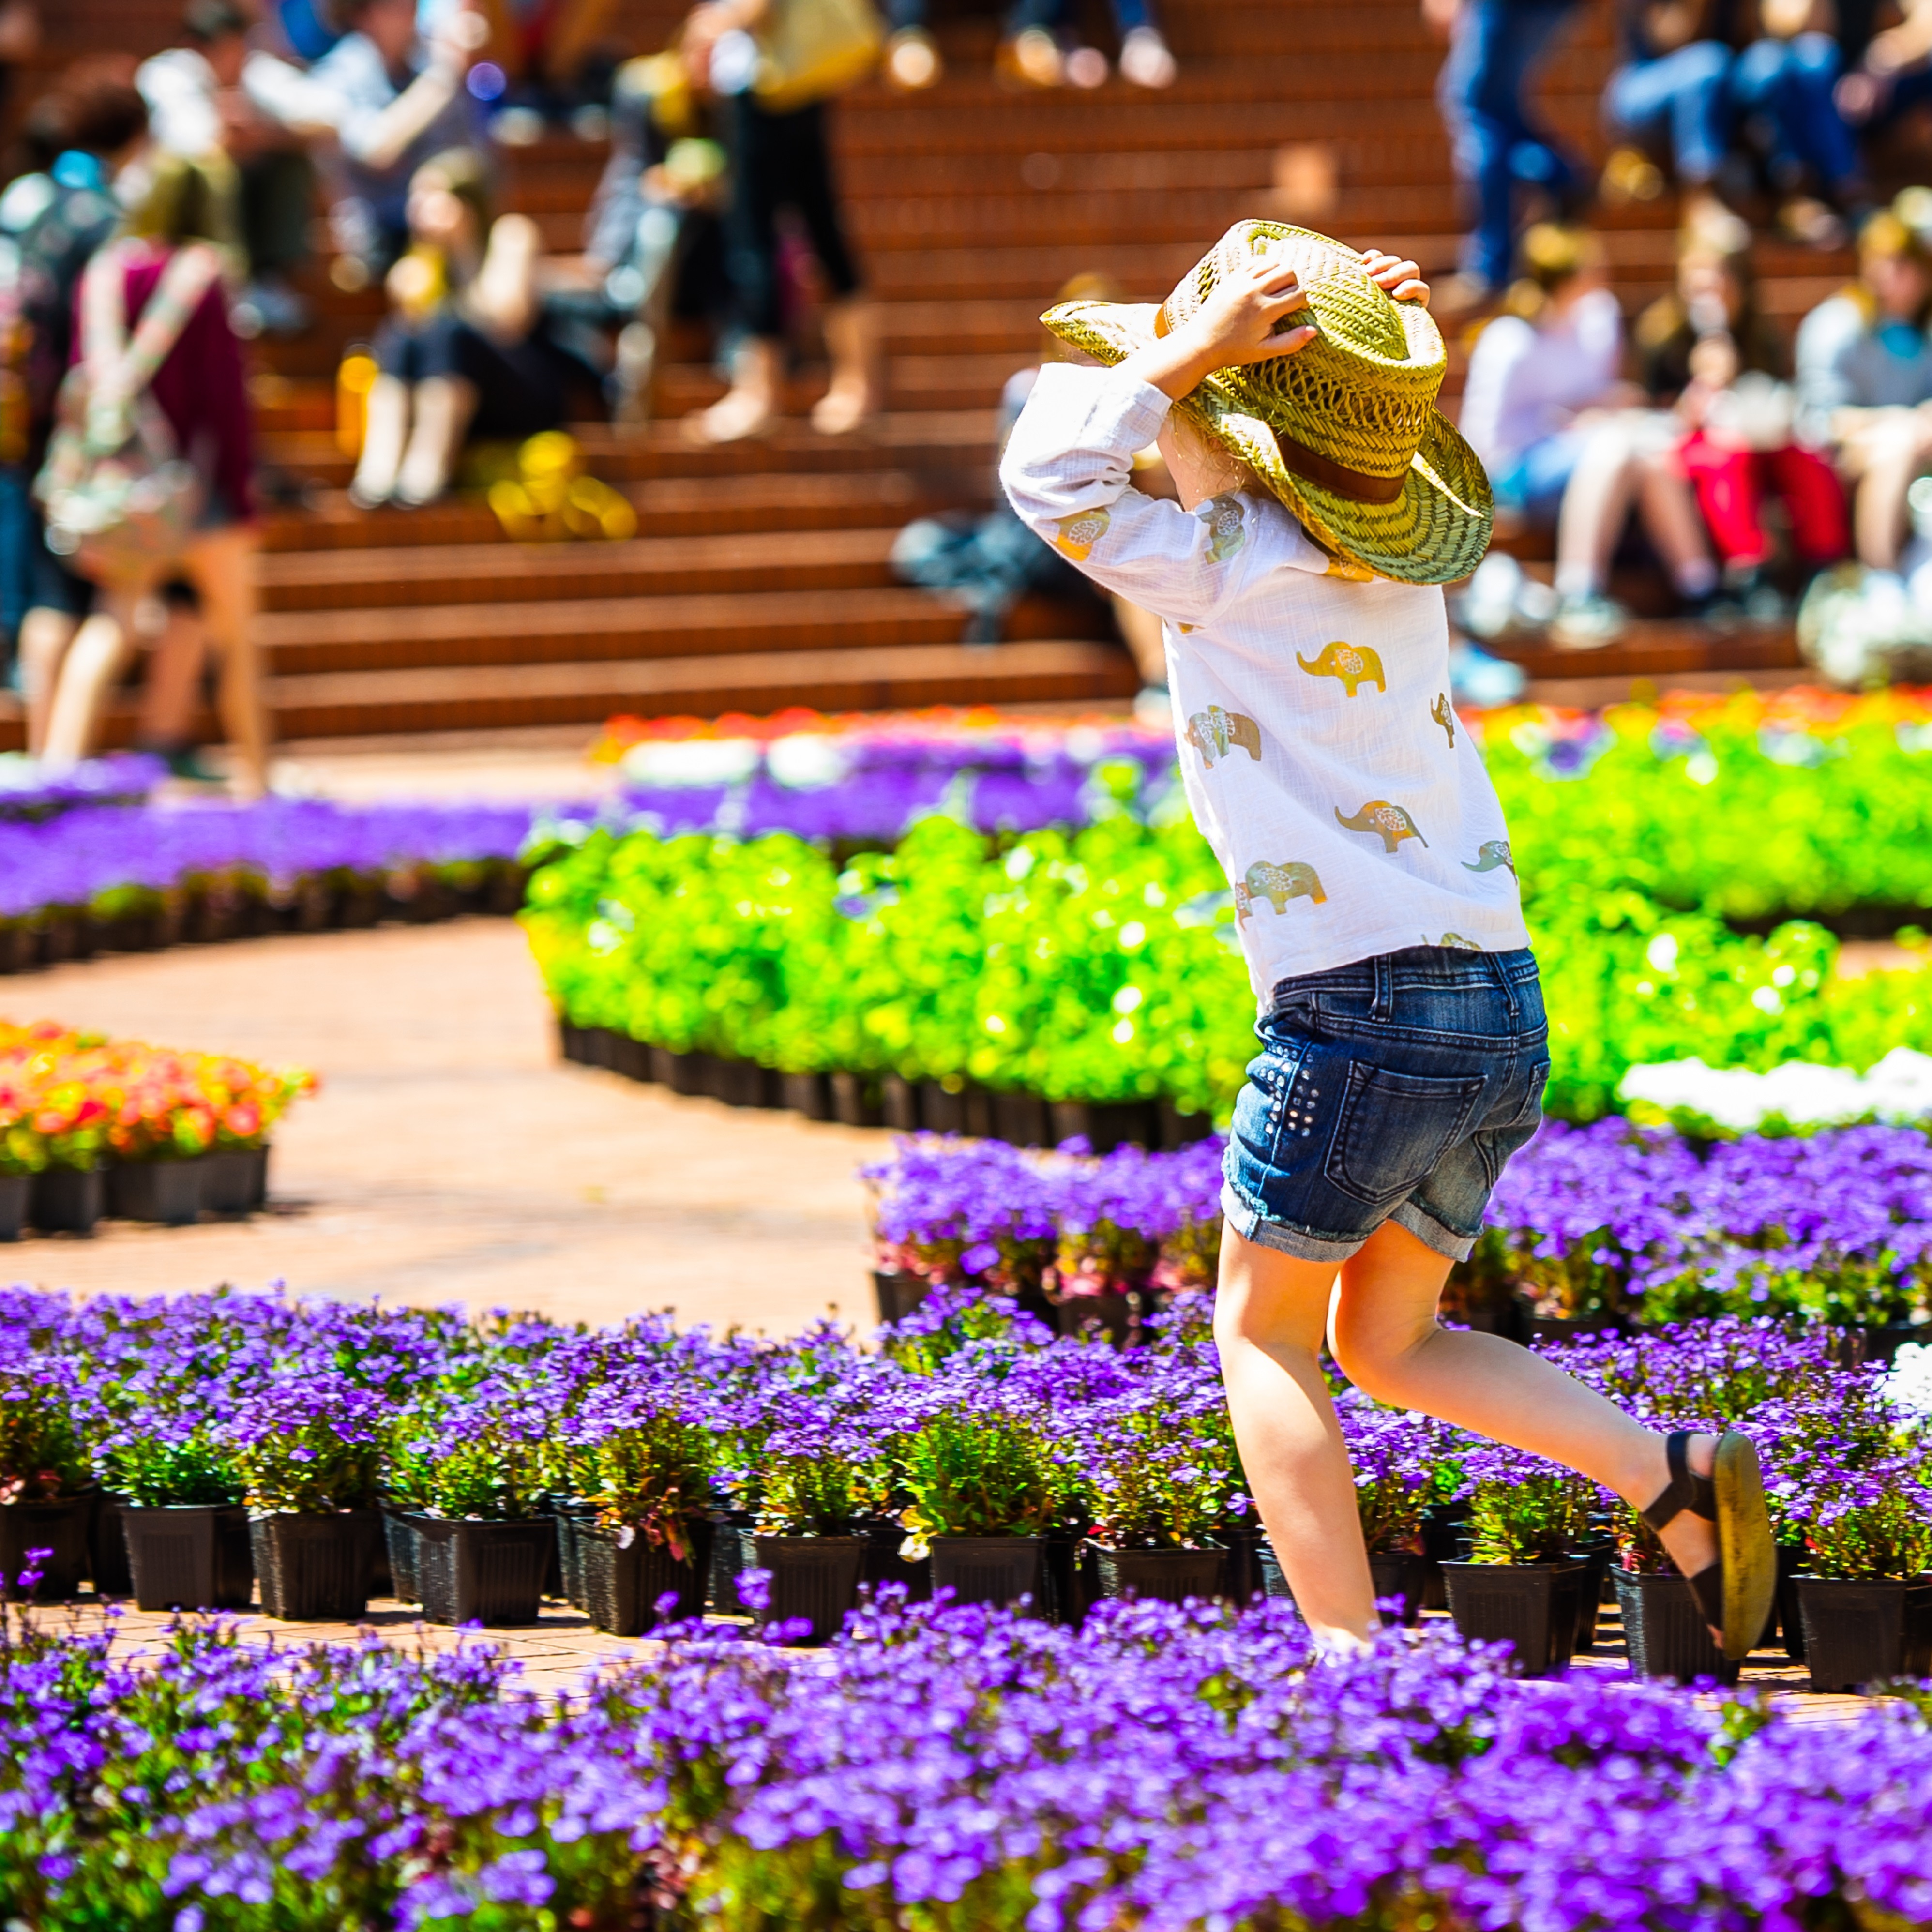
1146 61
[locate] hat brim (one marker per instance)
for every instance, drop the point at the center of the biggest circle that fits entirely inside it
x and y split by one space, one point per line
1434 531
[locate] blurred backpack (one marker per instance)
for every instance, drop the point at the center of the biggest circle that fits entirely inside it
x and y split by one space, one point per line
116 492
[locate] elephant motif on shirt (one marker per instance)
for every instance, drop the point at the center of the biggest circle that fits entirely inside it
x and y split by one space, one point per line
1444 712
1389 823
1491 853
1227 526
1214 733
1277 884
1354 664
1079 533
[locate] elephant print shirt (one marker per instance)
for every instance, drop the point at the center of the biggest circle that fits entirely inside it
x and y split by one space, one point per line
1307 704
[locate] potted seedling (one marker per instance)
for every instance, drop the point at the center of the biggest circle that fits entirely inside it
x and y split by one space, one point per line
179 1492
982 1489
1159 1482
817 1477
47 1493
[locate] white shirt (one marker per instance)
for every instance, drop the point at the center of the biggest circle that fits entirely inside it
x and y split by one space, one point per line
1323 759
180 88
1526 383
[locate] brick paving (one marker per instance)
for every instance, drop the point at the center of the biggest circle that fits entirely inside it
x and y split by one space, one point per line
452 1157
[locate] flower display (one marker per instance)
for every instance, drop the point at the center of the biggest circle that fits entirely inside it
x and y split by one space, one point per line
29 790
73 1099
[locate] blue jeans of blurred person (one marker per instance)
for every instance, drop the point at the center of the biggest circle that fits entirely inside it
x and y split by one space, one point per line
1789 83
1497 146
1684 93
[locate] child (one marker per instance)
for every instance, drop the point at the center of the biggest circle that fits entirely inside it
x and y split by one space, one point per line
1323 502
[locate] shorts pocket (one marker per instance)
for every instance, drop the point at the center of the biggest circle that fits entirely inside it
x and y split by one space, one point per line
1394 1128
1497 1142
1262 1108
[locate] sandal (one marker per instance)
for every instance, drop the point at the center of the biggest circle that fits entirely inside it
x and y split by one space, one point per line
1734 1593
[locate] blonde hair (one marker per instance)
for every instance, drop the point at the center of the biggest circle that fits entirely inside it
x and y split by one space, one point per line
1553 253
1891 238
183 200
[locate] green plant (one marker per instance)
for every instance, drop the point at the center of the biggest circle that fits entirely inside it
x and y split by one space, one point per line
976 1470
171 1462
41 1453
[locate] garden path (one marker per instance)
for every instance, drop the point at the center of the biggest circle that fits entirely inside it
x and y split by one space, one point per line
451 1157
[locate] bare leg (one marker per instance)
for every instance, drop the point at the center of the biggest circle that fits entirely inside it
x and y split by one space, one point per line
45 634
223 567
1141 630
1268 1319
444 405
94 660
173 681
858 387
1595 505
1668 506
747 407
1894 451
385 428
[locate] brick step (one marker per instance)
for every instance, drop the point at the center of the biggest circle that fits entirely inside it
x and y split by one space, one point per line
858 679
1662 647
679 506
937 440
555 628
461 574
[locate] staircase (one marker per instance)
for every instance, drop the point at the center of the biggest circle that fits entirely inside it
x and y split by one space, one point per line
759 578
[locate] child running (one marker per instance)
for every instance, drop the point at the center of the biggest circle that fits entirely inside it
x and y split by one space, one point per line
1291 384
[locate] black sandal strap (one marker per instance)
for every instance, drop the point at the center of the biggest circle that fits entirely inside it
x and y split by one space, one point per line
1708 1587
1686 1490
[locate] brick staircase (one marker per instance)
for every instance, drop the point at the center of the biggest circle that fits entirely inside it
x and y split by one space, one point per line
759 578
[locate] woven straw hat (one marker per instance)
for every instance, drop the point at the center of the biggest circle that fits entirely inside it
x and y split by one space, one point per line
1345 431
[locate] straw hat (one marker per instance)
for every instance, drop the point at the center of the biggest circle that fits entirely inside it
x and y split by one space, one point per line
1345 431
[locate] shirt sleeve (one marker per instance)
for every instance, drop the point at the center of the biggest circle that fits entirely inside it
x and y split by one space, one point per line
1489 390
1826 338
1066 472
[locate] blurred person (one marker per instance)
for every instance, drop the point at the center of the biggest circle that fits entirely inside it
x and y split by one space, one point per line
1890 74
779 159
19 41
1707 349
465 351
166 263
91 128
1559 430
1784 78
387 100
1864 383
1671 90
1037 47
198 108
1498 147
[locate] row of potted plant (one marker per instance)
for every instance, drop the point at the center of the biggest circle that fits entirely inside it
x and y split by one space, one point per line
974 1449
29 790
90 1125
128 878
1162 1767
1611 1223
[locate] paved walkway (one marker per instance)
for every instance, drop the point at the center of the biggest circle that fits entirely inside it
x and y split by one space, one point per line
452 1157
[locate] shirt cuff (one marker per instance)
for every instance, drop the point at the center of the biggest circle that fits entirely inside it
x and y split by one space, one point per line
1122 413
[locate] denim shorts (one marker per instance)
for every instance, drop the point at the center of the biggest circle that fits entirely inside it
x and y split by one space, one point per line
1392 1089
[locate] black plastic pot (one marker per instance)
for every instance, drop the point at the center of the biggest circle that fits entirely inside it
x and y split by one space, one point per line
228 1181
1096 1316
1022 1119
1242 1581
946 1108
898 1104
482 1573
66 1201
16 1191
1861 1633
1105 1125
1791 1559
814 1578
1442 1525
399 1541
855 1101
898 1292
1274 1583
884 1564
1596 1558
571 1515
1530 1326
167 1192
1178 1130
988 1569
1531 1607
1172 1576
727 1559
316 1569
571 1044
1664 1631
1066 1563
60 1526
191 1557
623 1578
107 1550
681 1073
738 1083
809 1094
631 1058
1402 1574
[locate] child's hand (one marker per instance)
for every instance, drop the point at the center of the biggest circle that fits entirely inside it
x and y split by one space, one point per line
1395 277
1241 322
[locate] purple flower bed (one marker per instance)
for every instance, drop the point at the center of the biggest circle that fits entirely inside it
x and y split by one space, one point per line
84 855
1164 1767
1608 1218
869 789
29 790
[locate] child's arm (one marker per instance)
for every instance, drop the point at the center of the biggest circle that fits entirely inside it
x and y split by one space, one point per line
1067 464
